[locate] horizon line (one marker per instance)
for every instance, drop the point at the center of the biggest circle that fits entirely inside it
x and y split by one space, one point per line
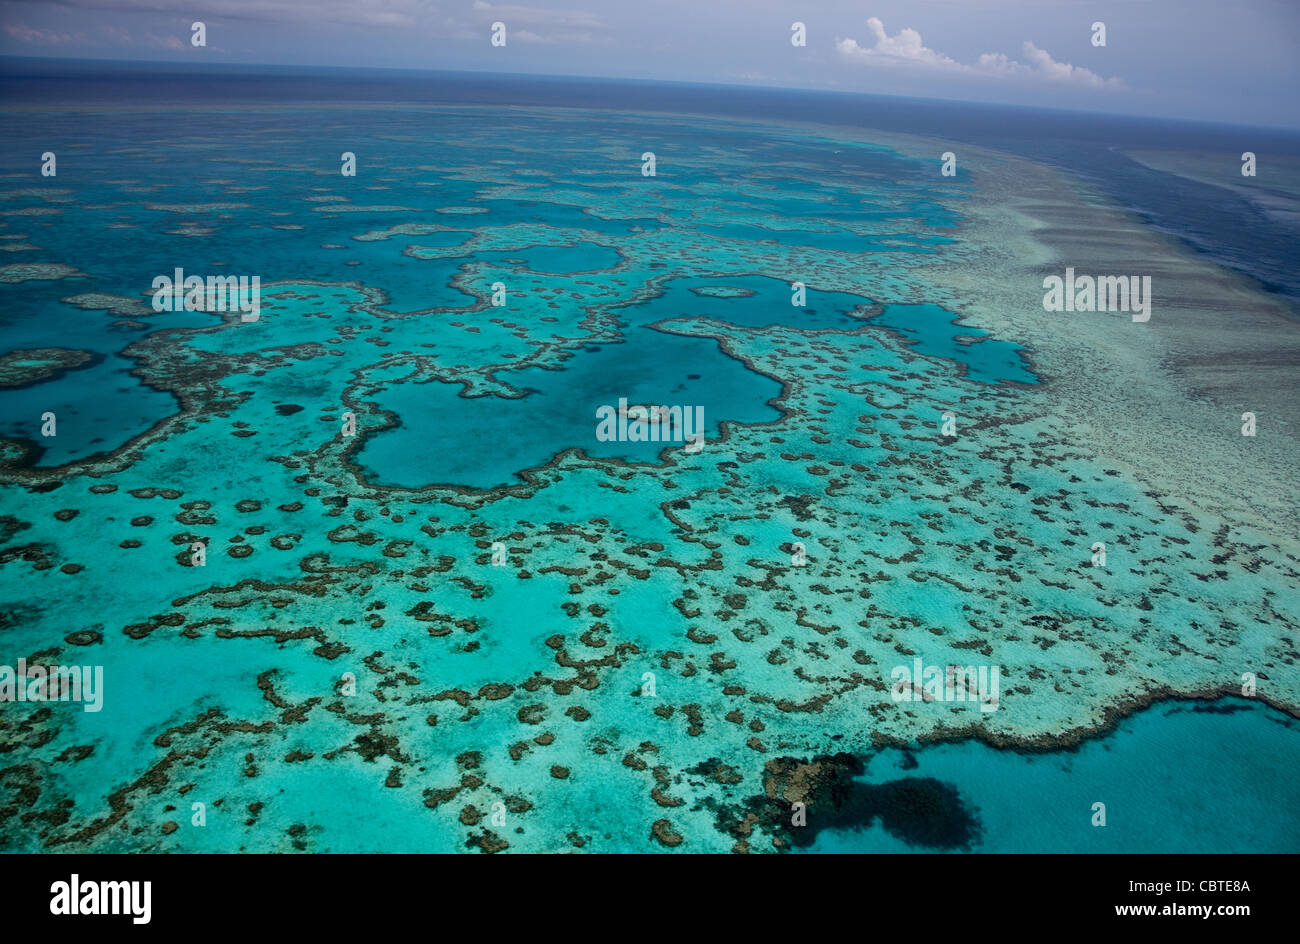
854 93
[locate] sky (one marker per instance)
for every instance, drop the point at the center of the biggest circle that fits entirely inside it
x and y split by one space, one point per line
1235 61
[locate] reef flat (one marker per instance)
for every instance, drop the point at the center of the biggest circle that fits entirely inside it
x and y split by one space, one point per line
471 625
21 368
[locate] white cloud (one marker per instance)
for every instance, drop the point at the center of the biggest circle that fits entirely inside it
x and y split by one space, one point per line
907 49
997 63
1055 71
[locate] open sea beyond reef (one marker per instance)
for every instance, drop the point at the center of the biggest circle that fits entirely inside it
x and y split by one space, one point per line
475 625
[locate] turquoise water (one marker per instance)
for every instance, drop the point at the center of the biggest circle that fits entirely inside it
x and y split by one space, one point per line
494 438
619 638
490 439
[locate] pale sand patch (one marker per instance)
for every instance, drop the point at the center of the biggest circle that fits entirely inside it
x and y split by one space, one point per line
117 304
38 271
348 208
401 229
44 193
195 207
192 230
